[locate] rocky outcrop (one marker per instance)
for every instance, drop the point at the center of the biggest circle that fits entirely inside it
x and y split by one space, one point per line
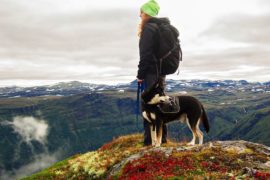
244 158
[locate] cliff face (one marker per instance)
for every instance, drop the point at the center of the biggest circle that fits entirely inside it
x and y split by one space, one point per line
126 158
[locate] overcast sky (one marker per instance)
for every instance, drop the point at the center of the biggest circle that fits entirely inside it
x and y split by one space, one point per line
47 41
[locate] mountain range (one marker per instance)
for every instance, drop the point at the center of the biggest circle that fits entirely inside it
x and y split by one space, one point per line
75 87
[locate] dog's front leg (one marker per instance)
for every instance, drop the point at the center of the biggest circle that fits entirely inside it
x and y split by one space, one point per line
153 135
159 134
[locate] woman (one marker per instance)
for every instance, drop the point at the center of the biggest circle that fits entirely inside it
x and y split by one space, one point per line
148 46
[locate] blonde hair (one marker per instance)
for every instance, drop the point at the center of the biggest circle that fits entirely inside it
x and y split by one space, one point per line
139 31
141 25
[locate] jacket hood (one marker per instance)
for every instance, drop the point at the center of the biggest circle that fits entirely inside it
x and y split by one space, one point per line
159 20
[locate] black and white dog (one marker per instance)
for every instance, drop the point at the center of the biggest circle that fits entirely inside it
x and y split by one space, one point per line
190 110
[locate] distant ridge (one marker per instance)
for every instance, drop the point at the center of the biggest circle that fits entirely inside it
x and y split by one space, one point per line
76 87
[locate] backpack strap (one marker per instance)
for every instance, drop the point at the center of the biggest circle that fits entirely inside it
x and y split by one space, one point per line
155 28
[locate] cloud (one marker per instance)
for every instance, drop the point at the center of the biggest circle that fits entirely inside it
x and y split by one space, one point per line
265 4
39 162
233 47
46 40
59 45
30 128
233 63
245 28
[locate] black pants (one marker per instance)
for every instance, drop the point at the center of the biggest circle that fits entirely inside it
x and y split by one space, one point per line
149 80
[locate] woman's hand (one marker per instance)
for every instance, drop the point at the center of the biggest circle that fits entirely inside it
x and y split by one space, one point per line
139 80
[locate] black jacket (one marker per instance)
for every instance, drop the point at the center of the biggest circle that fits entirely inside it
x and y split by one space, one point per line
148 47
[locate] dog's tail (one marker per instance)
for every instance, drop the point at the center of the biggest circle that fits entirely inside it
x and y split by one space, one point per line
204 119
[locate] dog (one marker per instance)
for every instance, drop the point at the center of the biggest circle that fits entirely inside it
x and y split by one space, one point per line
188 110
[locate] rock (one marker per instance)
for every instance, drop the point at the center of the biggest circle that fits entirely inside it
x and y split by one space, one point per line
246 150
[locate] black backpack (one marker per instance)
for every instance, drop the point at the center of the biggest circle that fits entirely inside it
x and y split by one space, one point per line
169 52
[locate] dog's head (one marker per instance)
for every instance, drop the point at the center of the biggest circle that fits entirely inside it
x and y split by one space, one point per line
155 95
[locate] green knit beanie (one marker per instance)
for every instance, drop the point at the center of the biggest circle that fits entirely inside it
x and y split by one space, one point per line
151 8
